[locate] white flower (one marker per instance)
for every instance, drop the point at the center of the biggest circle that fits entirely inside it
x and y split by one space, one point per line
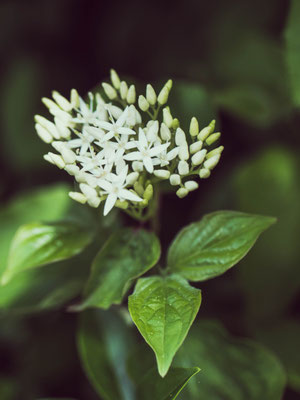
116 190
116 128
85 139
165 157
146 152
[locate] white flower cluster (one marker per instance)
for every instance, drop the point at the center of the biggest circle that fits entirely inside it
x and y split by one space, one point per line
115 156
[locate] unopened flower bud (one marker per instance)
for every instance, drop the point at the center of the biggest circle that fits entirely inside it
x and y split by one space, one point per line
131 178
194 127
205 132
150 95
67 154
123 90
169 84
55 159
212 162
175 123
213 138
175 179
131 95
214 152
137 166
115 80
167 117
138 187
109 91
79 197
197 146
143 103
43 134
163 96
63 103
162 173
191 185
51 128
72 169
123 205
63 131
204 173
183 152
183 168
88 191
74 98
165 132
148 193
182 192
180 138
94 201
50 104
199 157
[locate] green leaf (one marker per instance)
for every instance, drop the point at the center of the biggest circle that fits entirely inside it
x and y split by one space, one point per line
37 244
152 386
283 337
48 203
292 38
104 343
163 310
208 248
235 369
44 288
125 256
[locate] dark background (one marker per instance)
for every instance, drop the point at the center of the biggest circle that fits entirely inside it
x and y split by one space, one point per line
228 60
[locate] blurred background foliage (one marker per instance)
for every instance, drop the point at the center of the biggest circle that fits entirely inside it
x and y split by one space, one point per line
236 61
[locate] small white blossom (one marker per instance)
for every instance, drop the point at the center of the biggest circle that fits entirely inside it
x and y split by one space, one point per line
146 151
116 189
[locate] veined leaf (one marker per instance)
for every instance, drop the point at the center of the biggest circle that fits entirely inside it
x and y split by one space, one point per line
208 248
38 244
125 256
163 310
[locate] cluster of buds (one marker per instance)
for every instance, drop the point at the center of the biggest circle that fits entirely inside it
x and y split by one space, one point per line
117 152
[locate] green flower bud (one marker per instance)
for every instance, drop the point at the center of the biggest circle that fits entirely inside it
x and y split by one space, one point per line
182 192
114 77
163 96
212 162
213 138
148 193
167 117
109 91
143 103
150 95
138 188
123 90
194 127
213 152
131 95
204 173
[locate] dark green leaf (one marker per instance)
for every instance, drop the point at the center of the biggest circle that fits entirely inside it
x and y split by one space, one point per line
163 309
48 203
37 244
292 37
104 342
125 256
235 369
152 386
208 248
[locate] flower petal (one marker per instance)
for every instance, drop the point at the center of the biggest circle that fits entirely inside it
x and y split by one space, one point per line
148 164
109 203
128 195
